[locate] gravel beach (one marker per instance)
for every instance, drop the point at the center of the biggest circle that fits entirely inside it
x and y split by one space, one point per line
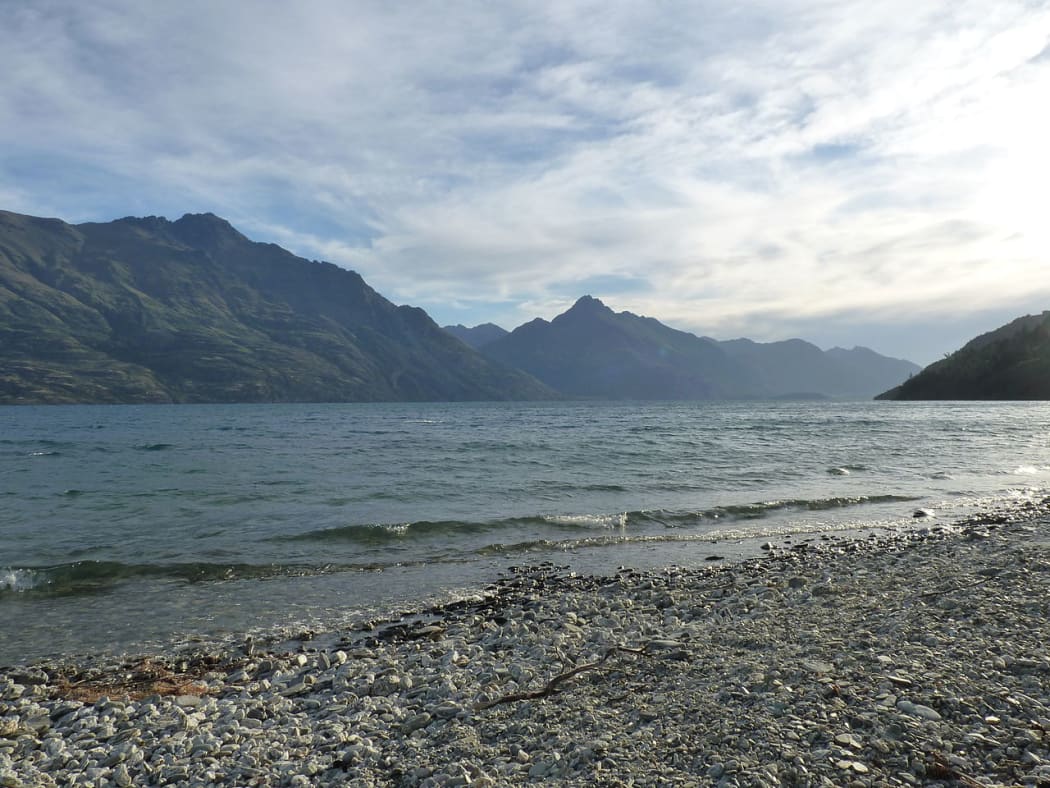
914 658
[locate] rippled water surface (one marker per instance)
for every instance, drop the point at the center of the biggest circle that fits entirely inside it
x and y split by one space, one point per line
126 527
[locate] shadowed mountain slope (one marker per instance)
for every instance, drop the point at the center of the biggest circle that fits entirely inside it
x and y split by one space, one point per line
478 336
148 310
795 366
1010 363
593 352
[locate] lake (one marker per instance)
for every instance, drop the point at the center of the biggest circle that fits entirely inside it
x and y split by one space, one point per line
138 527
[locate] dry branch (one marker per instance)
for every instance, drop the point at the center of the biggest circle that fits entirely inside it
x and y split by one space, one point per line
552 686
940 769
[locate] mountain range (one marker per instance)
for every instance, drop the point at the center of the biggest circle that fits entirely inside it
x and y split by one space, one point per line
591 351
148 310
1010 363
152 310
477 336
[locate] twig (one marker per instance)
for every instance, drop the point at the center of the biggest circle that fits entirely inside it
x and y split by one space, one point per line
941 769
552 686
941 592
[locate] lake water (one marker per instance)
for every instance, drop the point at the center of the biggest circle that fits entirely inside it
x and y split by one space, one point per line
134 527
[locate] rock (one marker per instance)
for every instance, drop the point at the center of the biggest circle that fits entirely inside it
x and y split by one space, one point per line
816 666
659 644
121 777
416 722
446 710
847 740
540 770
917 710
429 632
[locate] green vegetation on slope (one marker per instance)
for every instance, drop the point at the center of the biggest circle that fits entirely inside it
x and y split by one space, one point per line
1010 363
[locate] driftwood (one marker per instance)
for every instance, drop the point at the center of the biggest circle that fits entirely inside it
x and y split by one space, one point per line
953 589
552 686
940 769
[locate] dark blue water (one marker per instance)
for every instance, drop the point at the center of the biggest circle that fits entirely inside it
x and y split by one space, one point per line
128 527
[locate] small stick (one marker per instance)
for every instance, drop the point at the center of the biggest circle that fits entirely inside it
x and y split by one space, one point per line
552 686
980 582
941 769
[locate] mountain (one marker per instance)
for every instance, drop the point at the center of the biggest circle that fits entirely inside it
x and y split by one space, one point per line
794 366
593 352
148 310
872 371
478 336
1010 363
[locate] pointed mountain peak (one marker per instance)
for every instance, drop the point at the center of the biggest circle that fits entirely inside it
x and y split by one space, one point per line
588 305
205 230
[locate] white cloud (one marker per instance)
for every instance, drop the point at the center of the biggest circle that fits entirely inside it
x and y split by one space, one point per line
762 164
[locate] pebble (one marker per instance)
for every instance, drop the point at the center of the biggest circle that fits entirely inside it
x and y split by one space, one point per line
844 663
918 710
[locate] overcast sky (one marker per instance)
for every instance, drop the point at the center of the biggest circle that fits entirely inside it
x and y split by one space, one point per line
870 172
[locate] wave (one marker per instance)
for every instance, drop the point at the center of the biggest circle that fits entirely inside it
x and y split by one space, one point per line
549 485
86 577
759 510
708 537
499 537
604 521
1025 470
155 446
381 533
377 534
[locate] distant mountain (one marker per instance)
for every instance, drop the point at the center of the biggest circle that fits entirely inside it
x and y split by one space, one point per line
794 366
1010 363
478 336
148 310
592 352
872 371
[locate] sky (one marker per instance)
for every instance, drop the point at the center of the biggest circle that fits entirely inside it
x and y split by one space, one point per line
848 171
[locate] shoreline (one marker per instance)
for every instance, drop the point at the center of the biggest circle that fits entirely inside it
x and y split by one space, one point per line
901 659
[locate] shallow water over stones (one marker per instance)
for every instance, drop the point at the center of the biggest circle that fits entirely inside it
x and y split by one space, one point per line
914 660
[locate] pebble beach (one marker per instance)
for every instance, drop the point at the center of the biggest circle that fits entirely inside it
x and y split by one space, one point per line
920 657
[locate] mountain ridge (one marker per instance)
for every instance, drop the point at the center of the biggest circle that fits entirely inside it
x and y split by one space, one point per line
145 309
477 336
150 310
591 351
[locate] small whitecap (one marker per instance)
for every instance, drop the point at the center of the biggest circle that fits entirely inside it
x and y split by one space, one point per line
1026 470
17 580
590 520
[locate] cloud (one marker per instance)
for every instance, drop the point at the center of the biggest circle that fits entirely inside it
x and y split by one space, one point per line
721 166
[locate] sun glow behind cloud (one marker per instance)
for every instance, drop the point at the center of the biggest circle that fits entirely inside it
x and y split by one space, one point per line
759 168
